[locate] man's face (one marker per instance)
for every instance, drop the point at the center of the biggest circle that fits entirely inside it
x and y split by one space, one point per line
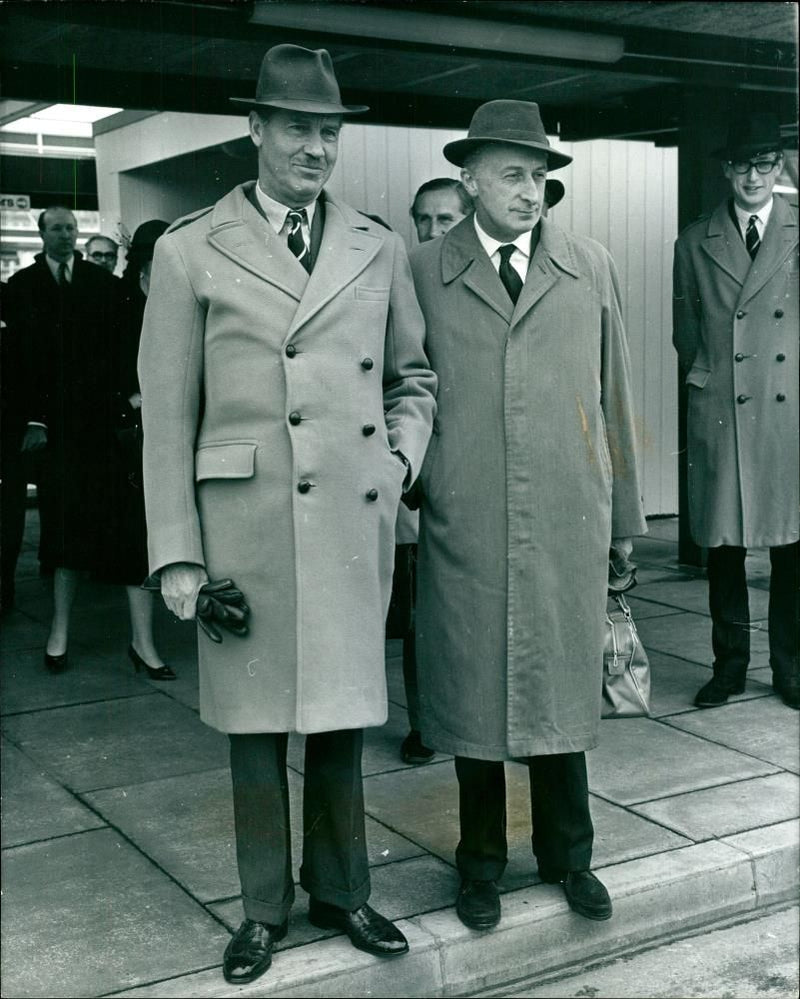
435 212
102 252
59 234
296 153
751 189
508 185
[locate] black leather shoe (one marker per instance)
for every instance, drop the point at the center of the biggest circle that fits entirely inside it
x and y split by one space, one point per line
478 904
788 691
413 751
56 664
716 692
249 952
368 930
153 672
587 895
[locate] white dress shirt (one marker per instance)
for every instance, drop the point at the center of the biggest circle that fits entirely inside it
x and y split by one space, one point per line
54 264
762 217
276 215
519 259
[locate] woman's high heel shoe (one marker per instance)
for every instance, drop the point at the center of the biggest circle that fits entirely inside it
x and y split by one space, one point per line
153 672
56 664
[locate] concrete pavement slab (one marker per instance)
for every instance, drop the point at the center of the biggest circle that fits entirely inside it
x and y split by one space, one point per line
731 808
25 684
88 914
639 759
763 728
35 807
646 608
654 551
692 595
119 742
185 824
774 853
688 636
674 683
21 631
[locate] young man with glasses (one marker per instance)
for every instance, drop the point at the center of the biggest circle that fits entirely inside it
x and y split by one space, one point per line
735 327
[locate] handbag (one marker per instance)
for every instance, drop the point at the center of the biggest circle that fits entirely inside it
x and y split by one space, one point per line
626 668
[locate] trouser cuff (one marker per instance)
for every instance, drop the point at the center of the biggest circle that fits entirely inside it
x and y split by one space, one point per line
347 900
268 912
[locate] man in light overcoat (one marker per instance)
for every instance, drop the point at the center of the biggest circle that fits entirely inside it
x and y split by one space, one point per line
530 473
287 403
735 327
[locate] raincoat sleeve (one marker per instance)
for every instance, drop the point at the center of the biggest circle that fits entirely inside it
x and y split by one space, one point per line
686 308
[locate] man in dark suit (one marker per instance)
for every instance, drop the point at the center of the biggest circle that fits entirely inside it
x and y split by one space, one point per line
735 326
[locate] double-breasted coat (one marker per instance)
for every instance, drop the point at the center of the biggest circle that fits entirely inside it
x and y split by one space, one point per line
273 405
530 470
735 327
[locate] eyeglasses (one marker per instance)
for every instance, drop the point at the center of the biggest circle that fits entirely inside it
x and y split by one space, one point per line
762 166
98 255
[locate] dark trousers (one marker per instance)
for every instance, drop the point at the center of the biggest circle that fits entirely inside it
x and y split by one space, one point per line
13 500
562 825
730 612
334 867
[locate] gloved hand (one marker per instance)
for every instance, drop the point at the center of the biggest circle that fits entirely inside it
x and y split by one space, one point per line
221 603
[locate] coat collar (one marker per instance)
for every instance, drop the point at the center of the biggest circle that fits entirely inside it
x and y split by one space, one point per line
462 254
349 243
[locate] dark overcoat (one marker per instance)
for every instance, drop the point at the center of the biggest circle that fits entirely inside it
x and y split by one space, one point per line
735 327
531 468
273 404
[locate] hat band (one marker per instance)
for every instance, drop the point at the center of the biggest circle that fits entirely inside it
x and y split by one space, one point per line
513 133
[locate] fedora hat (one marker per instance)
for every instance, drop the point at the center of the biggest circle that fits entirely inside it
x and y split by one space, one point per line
751 134
516 123
553 192
298 79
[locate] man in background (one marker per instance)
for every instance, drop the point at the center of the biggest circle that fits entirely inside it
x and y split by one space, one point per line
103 251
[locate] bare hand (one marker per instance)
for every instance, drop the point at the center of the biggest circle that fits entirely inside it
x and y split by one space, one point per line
35 439
180 584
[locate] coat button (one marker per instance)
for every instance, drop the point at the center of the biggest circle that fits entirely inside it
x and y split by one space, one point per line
291 350
368 429
739 357
780 397
742 398
780 357
295 418
779 313
368 364
303 486
740 314
372 495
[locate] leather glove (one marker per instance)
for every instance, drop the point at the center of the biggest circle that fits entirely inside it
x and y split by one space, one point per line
220 604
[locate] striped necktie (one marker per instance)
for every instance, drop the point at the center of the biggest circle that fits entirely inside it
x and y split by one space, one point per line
296 241
751 238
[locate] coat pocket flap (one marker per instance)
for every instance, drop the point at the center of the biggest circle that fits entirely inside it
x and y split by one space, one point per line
372 294
225 461
698 376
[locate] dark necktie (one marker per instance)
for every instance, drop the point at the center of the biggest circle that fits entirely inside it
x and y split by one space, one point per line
62 275
295 241
509 277
751 237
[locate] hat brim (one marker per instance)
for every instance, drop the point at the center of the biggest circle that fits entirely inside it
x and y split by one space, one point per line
456 152
309 107
745 152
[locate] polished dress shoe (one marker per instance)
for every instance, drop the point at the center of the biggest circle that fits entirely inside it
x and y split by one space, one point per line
413 751
368 930
478 904
153 672
56 664
586 894
788 691
249 952
716 692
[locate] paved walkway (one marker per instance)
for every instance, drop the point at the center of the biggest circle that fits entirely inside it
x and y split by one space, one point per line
119 873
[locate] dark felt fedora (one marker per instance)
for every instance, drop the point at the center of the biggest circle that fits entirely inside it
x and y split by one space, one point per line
553 192
298 79
517 123
751 134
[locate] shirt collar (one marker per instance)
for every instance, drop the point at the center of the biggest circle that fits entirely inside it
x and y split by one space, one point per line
54 265
492 245
743 217
276 212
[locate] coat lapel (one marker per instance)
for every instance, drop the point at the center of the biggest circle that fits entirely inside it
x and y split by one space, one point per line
243 235
724 245
780 238
348 246
552 255
463 255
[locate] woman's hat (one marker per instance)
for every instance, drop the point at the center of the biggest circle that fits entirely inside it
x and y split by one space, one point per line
751 134
298 79
144 239
517 123
553 192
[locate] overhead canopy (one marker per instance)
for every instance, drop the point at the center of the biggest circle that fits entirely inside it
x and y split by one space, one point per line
596 69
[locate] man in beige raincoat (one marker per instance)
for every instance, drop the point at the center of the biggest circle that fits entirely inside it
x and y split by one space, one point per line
287 402
530 472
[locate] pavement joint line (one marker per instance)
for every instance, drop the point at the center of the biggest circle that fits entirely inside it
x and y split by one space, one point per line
700 790
160 981
148 780
75 704
716 742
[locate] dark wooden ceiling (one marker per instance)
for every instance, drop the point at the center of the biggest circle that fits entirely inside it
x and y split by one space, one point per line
190 56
